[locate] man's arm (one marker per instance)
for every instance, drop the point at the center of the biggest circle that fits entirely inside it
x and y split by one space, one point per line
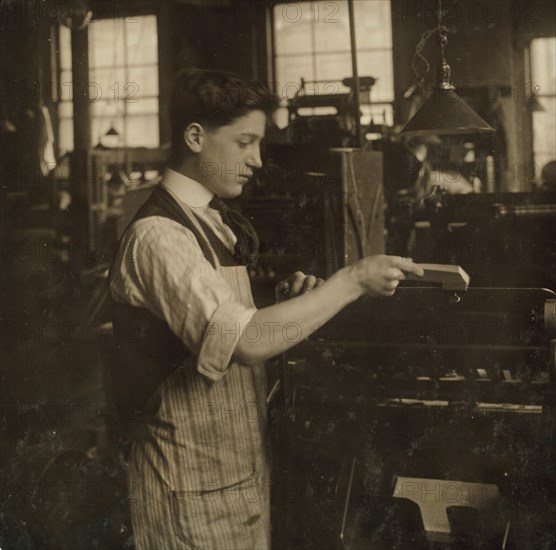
274 329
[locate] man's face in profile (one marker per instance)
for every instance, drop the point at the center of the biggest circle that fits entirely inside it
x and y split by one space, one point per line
231 153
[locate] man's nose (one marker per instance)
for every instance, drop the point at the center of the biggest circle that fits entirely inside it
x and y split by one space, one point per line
254 160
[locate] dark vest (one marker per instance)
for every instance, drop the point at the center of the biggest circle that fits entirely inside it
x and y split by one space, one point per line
147 351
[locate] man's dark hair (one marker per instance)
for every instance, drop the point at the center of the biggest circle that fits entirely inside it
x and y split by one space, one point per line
213 99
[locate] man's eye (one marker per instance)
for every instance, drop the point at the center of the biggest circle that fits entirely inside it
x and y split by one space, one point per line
244 144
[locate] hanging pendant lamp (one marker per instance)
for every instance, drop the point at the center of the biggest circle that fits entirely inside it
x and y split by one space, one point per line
444 112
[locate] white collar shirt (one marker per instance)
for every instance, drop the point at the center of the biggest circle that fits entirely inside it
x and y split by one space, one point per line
195 195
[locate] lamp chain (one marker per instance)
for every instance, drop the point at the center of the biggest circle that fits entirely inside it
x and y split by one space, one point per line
443 40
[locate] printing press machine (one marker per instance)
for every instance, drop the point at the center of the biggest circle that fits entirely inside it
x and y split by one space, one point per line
428 419
425 420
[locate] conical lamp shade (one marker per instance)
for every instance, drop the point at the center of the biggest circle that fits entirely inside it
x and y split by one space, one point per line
445 113
534 105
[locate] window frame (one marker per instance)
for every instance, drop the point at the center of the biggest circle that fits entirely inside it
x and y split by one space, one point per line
314 53
59 94
125 117
538 95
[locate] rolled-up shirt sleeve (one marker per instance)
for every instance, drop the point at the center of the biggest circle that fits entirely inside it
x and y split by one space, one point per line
221 336
161 267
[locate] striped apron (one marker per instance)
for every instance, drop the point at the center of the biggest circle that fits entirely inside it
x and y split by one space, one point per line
199 473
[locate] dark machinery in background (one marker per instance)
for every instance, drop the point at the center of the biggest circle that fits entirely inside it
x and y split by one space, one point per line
316 210
326 119
425 420
500 239
318 203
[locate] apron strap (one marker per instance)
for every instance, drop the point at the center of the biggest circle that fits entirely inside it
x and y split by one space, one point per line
195 222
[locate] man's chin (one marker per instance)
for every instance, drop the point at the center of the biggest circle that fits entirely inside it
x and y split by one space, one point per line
233 191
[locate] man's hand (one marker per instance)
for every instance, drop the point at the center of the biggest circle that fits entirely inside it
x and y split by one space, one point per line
295 285
380 275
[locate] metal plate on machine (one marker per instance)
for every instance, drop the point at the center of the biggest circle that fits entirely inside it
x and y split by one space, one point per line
435 496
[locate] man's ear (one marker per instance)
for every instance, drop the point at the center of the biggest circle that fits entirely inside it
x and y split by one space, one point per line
193 136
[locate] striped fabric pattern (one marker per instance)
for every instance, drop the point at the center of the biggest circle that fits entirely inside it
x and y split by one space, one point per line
199 477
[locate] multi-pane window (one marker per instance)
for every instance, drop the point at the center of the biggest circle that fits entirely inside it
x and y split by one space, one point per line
312 41
64 90
123 74
543 88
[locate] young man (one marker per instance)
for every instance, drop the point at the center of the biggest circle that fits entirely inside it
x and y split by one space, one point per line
199 472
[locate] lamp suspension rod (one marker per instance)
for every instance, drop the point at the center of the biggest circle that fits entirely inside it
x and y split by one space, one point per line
442 35
356 95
